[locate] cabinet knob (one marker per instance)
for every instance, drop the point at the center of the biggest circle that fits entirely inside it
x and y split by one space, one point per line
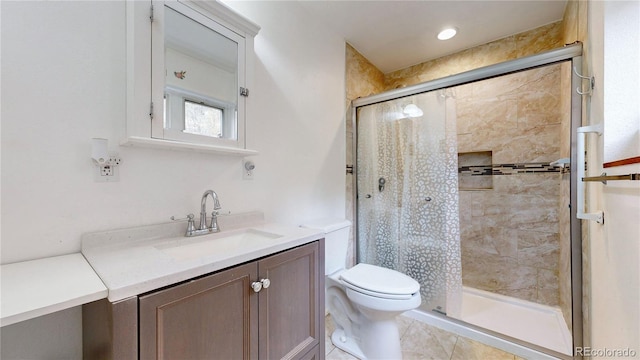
256 286
265 283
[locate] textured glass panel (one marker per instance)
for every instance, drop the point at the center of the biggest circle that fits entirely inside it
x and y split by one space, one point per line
408 194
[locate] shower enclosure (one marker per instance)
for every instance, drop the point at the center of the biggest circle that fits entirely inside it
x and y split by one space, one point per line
407 213
464 184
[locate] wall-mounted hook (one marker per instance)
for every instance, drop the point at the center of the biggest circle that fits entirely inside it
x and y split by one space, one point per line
592 83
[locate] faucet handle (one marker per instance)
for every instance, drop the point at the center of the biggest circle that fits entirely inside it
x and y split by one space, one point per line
189 217
191 226
214 222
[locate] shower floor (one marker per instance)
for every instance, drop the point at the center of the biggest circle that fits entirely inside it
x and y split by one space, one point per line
534 323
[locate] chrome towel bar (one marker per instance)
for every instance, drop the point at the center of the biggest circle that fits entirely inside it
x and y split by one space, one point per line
604 177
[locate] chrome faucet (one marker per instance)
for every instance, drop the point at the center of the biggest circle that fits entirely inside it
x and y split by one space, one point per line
214 215
203 228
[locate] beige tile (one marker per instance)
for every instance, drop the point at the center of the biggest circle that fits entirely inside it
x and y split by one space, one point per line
495 52
478 199
404 322
547 279
538 249
503 87
547 297
540 39
529 184
499 274
465 208
529 294
337 354
422 341
362 77
583 14
522 212
530 42
491 240
570 22
488 116
466 349
474 158
468 182
329 327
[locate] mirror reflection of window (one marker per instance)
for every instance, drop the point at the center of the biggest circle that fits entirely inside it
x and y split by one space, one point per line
202 119
201 80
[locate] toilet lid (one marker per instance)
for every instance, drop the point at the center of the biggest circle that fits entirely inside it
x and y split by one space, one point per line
374 279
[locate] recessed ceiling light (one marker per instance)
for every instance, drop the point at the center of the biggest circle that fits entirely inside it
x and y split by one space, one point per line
447 33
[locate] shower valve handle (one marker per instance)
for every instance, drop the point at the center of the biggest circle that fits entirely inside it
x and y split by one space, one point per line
381 183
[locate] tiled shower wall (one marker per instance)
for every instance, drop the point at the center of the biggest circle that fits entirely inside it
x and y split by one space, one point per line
510 233
363 79
530 42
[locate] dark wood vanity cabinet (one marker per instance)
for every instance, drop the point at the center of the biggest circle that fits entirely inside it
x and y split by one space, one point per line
220 316
208 318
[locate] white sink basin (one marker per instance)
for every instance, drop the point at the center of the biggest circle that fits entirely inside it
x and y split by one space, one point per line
219 243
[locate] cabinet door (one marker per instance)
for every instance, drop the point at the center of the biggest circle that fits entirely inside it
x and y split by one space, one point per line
214 317
291 324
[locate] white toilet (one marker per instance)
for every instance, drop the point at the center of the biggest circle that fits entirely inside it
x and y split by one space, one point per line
363 301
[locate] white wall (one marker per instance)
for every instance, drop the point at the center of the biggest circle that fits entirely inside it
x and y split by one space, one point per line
621 81
615 246
63 83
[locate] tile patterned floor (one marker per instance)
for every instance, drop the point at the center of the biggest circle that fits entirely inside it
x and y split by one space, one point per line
421 341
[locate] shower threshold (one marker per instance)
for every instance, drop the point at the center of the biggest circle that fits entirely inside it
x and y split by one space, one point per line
528 321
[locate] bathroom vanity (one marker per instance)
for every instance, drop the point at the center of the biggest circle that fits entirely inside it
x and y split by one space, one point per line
247 292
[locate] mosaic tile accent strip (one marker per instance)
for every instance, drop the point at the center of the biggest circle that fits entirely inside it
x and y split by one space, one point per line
509 169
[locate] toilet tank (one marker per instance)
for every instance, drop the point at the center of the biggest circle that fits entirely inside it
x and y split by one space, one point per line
336 240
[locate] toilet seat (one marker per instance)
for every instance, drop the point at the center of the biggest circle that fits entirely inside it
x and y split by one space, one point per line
379 282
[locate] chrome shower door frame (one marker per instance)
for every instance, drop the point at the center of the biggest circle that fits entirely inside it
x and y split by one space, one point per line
572 53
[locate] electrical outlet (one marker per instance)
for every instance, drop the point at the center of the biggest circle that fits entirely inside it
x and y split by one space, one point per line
106 173
106 170
114 159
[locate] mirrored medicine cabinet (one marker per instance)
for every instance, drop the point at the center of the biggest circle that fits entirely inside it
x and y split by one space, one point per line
189 71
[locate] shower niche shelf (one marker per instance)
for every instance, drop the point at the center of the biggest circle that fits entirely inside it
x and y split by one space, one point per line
475 170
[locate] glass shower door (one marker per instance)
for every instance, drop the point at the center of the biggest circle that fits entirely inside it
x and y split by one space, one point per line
407 194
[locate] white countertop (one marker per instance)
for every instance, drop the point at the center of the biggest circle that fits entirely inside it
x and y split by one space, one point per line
132 261
39 287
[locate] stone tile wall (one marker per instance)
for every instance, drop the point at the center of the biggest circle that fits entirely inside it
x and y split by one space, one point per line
362 79
510 234
512 47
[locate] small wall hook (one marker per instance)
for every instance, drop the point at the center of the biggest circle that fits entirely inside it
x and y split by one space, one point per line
592 83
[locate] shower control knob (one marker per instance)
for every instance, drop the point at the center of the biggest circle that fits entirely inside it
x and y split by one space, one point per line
265 283
256 286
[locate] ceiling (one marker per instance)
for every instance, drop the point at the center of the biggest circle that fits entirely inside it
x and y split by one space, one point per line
396 34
